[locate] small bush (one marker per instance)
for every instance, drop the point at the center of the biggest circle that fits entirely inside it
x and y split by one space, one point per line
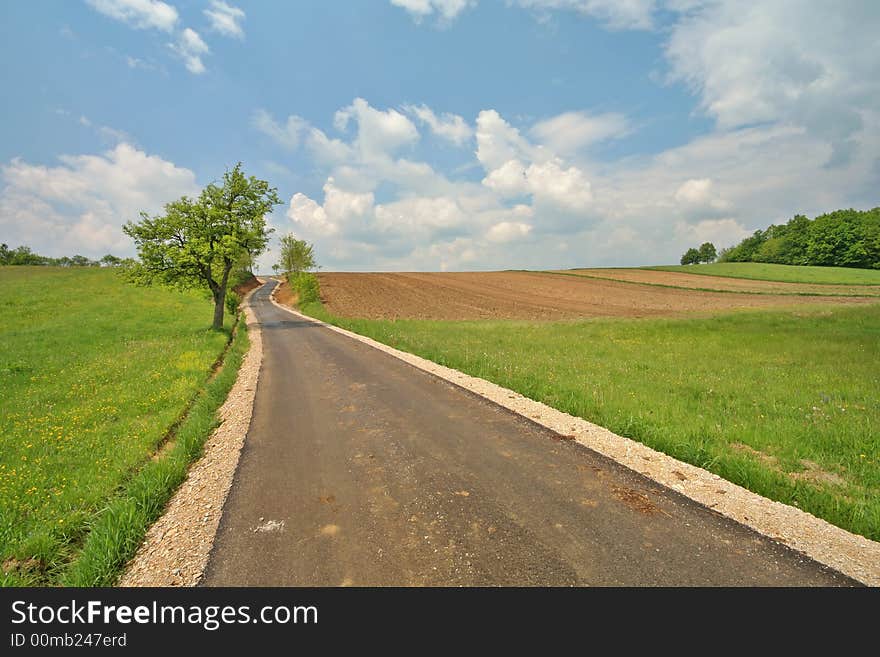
305 285
232 301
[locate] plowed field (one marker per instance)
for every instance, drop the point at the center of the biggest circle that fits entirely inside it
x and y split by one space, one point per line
702 281
529 295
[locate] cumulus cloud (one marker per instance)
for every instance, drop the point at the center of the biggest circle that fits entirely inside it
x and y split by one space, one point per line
423 214
515 167
448 126
140 14
717 231
498 142
571 132
378 132
699 195
225 19
758 62
190 48
81 204
508 231
446 10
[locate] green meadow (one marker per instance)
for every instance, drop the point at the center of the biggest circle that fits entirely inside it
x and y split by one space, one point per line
97 376
784 273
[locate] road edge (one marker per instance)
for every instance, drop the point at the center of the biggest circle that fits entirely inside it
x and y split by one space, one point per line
850 554
176 547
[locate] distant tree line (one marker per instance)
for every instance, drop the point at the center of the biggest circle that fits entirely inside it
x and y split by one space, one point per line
706 253
23 255
844 238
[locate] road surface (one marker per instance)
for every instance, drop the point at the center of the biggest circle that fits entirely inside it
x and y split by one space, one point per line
359 469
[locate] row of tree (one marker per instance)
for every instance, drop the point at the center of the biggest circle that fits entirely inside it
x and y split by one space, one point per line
844 238
23 255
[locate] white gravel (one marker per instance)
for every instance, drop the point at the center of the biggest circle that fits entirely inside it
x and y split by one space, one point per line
848 553
176 548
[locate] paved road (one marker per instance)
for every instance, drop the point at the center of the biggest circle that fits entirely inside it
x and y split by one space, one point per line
359 469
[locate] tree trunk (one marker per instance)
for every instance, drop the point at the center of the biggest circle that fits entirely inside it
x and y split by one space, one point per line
220 297
219 307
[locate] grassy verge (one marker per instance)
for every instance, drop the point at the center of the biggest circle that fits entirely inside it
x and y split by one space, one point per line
117 531
784 403
782 273
94 374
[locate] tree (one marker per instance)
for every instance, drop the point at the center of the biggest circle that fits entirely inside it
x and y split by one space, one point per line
196 243
111 260
691 257
707 252
296 255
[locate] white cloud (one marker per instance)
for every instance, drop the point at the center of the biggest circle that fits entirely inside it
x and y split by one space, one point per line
446 10
288 135
378 132
339 210
81 204
307 213
190 48
615 14
141 14
565 188
328 150
721 232
420 215
448 126
571 132
773 61
225 19
498 142
508 231
698 194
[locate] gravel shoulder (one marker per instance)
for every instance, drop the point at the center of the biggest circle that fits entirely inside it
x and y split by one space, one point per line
176 547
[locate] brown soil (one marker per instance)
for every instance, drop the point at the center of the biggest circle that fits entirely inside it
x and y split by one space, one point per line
251 284
526 295
285 296
700 281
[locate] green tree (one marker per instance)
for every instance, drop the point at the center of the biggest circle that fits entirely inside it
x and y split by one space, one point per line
196 243
707 252
111 260
690 257
296 255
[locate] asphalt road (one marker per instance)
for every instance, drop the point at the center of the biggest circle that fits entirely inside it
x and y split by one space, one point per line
360 469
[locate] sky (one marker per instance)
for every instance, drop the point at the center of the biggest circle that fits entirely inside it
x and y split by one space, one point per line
429 135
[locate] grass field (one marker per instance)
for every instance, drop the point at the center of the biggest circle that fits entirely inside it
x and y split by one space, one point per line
783 273
94 375
784 403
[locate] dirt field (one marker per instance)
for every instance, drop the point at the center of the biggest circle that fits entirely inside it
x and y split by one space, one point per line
702 281
526 295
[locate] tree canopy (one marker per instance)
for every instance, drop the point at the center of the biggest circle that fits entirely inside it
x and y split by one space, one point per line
296 255
843 238
197 242
706 253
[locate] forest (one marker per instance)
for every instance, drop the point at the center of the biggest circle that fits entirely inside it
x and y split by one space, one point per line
843 238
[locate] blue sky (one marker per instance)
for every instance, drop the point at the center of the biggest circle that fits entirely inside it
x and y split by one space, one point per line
441 134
